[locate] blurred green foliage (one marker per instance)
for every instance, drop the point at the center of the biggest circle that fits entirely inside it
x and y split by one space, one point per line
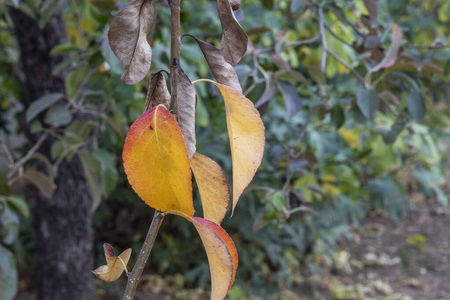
340 143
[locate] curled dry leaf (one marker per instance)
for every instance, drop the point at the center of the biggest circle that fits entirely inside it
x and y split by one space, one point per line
391 55
235 4
115 264
157 92
222 256
213 185
156 162
246 132
128 39
222 71
234 39
185 108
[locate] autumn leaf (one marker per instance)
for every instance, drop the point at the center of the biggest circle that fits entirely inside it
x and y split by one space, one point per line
157 92
115 264
156 162
246 132
234 38
222 71
128 39
213 186
185 108
221 252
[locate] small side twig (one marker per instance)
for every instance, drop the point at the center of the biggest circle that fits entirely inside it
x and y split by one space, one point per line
323 39
135 275
30 152
342 62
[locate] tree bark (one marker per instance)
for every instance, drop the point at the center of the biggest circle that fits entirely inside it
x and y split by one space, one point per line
63 223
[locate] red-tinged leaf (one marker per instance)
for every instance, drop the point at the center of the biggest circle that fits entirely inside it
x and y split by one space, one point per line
391 55
222 71
222 256
115 264
234 39
185 108
128 39
246 132
157 92
156 162
213 185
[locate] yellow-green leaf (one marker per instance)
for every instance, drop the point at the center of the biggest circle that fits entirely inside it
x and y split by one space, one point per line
213 185
222 256
246 132
115 264
156 162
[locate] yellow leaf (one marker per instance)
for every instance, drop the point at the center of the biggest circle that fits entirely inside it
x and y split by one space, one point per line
156 162
115 264
246 132
222 256
351 137
213 185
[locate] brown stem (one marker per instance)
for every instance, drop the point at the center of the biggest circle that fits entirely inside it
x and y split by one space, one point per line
135 275
175 45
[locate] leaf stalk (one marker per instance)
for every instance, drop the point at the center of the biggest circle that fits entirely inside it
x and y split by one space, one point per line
135 275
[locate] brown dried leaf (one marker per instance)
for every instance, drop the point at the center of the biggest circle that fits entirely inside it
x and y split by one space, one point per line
185 108
128 39
235 4
234 39
41 181
115 264
157 92
222 71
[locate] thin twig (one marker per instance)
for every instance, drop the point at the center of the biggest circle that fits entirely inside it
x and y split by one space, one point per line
427 47
30 152
7 152
359 77
303 42
323 61
135 275
337 37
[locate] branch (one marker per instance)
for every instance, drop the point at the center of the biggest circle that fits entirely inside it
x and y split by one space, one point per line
342 62
30 152
175 46
323 61
135 275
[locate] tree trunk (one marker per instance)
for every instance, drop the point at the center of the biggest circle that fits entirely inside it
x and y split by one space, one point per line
63 223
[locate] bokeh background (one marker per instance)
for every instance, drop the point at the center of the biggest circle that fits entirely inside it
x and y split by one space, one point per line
350 201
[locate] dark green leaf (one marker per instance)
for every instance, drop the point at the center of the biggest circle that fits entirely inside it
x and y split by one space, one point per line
41 104
297 6
338 116
391 136
64 49
367 101
19 204
58 116
292 100
108 171
416 106
9 225
8 274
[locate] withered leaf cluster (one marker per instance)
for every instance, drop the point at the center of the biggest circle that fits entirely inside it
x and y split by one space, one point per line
128 40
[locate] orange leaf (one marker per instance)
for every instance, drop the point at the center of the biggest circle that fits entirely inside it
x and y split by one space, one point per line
115 264
222 256
213 185
156 162
246 132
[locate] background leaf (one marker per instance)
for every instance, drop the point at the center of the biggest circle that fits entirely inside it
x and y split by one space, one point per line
367 101
416 106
